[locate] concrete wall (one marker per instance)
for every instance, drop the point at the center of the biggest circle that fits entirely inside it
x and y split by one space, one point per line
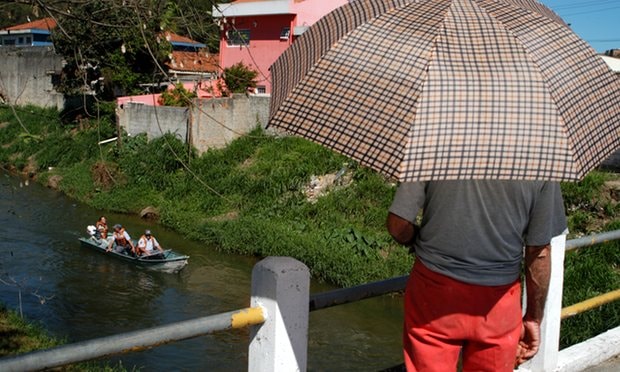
213 122
155 121
26 76
218 121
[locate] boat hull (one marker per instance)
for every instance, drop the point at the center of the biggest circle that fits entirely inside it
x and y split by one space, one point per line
169 261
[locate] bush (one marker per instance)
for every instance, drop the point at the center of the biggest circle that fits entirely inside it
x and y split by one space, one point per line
179 97
239 78
152 163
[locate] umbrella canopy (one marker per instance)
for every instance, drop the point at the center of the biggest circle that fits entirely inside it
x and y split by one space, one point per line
450 89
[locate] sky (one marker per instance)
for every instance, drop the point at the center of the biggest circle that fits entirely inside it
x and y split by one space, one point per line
595 21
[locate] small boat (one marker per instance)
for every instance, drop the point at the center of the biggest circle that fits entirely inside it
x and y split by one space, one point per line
166 261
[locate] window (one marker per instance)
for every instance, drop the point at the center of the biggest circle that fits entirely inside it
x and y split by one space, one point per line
41 38
20 40
285 33
238 37
261 89
9 41
28 40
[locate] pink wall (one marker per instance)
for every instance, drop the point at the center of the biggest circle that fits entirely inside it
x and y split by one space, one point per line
265 45
310 11
264 48
203 89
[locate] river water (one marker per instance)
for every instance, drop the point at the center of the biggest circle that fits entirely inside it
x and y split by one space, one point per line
79 294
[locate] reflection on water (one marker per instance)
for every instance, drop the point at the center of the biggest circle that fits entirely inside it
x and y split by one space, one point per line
80 294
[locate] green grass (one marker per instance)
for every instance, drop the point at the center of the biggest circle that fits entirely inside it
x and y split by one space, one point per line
591 272
248 198
18 336
589 204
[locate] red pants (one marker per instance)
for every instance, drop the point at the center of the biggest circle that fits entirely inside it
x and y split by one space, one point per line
444 316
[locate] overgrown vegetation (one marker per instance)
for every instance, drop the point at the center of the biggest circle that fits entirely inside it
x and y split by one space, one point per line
21 336
250 198
247 198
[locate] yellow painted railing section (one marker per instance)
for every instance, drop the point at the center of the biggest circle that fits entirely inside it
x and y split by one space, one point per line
247 317
590 304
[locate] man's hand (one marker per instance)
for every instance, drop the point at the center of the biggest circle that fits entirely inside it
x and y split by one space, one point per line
529 341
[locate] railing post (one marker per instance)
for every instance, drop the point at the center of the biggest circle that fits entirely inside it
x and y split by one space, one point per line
281 286
547 357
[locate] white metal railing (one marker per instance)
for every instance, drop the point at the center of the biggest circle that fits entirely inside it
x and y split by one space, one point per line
278 318
131 341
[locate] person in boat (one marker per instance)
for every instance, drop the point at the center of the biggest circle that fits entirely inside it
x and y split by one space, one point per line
147 245
102 228
121 241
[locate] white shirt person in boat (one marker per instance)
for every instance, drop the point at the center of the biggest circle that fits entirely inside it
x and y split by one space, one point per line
147 245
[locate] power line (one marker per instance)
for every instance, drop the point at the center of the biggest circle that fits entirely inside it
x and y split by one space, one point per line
583 4
591 11
604 40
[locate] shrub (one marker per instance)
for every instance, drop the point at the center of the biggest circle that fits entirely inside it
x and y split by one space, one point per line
179 97
239 78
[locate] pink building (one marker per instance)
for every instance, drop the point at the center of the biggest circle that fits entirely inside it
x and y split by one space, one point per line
256 32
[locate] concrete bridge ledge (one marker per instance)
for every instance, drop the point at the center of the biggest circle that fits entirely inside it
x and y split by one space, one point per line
590 353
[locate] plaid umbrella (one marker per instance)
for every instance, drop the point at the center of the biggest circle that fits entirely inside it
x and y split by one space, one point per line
450 89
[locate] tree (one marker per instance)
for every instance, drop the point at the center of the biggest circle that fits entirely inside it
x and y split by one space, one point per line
239 78
115 47
111 46
14 13
193 18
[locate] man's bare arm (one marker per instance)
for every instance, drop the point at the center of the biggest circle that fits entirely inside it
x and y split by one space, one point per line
537 276
401 230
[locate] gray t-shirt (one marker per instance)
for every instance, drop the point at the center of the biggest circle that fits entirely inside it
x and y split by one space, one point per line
474 231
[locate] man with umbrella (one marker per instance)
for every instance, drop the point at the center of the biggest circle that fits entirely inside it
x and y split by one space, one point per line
464 290
478 108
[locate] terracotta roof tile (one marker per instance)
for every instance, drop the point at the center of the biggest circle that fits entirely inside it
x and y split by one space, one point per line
172 37
193 62
41 24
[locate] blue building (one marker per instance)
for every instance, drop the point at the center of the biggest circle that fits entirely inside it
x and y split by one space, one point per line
35 33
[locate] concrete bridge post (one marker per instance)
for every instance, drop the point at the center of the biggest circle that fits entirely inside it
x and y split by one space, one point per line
281 286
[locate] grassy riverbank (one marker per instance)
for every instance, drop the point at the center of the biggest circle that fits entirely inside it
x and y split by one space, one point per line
250 198
18 336
263 195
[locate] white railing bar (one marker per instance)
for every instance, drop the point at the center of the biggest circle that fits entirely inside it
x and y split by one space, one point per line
131 341
592 239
